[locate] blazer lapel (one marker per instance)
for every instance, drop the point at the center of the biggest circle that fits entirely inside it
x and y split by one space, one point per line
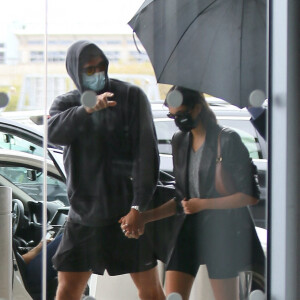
208 161
181 155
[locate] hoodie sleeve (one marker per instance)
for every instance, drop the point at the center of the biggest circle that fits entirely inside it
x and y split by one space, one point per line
145 152
67 119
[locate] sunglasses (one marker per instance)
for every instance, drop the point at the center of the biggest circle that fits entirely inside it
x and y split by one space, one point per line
91 70
180 114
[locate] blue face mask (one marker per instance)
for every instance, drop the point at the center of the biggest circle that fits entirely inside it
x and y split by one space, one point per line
95 82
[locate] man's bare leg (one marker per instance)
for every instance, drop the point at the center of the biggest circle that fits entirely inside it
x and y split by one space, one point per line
148 285
179 282
71 285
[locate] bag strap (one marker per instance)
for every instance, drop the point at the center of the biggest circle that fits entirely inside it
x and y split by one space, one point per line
219 157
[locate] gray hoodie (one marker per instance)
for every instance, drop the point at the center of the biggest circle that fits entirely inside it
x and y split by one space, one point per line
110 156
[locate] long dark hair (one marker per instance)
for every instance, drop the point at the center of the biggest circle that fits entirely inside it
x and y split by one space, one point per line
190 98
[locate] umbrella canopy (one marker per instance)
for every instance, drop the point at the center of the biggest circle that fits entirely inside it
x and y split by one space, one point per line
214 46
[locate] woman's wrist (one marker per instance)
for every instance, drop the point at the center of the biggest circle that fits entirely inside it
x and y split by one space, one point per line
204 203
145 217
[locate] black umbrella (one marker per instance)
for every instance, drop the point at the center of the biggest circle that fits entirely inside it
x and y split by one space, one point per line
214 46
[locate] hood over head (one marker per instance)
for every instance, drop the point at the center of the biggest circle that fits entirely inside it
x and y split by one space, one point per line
78 54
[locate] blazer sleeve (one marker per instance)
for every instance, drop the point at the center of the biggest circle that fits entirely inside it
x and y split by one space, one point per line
237 162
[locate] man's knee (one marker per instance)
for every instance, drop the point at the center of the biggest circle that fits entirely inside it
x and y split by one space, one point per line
66 290
71 285
151 292
148 285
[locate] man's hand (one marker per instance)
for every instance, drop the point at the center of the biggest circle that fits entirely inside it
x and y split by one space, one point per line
102 102
132 224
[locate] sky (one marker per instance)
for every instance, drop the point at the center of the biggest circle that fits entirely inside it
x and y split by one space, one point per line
65 15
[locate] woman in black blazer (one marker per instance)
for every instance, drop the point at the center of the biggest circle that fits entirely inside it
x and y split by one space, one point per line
217 231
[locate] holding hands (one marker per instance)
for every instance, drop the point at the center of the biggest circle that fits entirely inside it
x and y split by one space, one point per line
133 224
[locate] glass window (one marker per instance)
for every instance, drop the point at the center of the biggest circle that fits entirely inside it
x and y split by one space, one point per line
36 56
12 142
113 42
137 56
250 143
24 72
166 128
30 181
248 135
2 57
113 55
60 42
35 42
56 56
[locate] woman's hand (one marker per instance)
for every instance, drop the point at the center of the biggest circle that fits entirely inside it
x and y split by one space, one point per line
192 205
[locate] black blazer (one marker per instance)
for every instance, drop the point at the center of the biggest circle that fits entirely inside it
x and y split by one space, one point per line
234 225
235 159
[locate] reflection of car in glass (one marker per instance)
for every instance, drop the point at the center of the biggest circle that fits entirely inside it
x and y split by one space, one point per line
21 163
16 172
21 169
228 116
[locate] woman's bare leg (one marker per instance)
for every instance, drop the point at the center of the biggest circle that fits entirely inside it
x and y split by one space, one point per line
225 289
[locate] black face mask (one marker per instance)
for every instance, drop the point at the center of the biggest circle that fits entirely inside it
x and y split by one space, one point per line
185 122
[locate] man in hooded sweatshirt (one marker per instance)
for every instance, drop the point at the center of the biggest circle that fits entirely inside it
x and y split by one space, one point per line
111 161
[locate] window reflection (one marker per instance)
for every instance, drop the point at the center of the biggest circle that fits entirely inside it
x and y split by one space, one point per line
31 182
22 78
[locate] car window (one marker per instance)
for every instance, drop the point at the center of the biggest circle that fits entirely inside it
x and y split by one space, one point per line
250 142
31 182
166 128
247 133
12 142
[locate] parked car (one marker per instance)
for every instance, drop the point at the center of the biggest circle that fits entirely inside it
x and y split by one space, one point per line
23 173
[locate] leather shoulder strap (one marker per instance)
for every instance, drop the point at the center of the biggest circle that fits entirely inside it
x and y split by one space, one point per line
219 157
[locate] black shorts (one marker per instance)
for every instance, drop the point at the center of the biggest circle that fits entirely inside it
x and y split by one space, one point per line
196 246
97 249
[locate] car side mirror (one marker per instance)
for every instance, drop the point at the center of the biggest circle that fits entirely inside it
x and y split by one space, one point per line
31 175
7 138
